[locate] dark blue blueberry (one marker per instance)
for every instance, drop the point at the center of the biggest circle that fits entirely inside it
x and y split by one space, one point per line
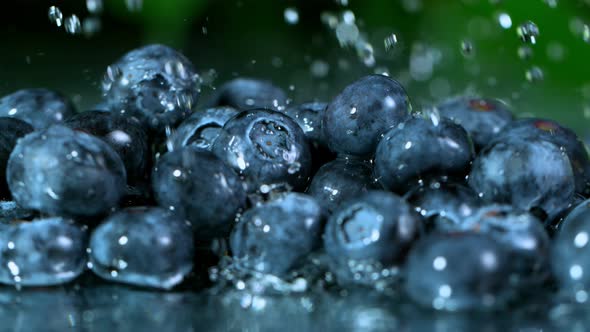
564 138
250 93
42 252
275 236
11 129
154 83
521 234
571 253
143 246
459 271
198 186
369 234
422 149
65 172
126 136
309 117
444 205
39 107
339 181
355 120
267 147
202 127
483 118
530 174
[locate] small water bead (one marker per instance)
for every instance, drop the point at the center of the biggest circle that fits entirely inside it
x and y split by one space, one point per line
528 32
586 33
91 26
72 25
534 74
525 52
134 5
55 16
505 20
467 48
319 68
390 42
94 6
291 16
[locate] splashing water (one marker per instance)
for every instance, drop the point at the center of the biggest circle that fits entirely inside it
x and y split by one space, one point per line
528 32
72 25
348 34
390 42
55 16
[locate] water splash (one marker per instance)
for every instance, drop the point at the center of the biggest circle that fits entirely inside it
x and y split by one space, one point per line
72 25
528 32
55 16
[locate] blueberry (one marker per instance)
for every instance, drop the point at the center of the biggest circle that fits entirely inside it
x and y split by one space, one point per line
201 188
267 147
38 107
459 271
42 252
143 246
369 234
422 149
521 234
309 117
564 138
250 93
11 129
355 120
571 253
510 172
154 83
64 172
483 118
126 136
339 181
202 127
444 205
274 237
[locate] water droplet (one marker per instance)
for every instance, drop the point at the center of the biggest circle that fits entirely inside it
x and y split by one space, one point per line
319 68
55 16
91 26
586 33
534 74
525 52
134 5
551 3
72 25
505 20
528 32
94 6
467 48
123 240
390 42
291 15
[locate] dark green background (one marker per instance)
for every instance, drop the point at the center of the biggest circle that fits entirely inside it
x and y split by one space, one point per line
37 54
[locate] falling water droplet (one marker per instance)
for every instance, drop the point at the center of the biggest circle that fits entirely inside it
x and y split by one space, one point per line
55 16
134 5
390 42
505 20
91 26
528 32
291 16
534 74
94 6
586 34
467 48
525 52
72 25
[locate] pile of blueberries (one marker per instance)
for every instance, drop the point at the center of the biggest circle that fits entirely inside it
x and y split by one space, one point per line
458 206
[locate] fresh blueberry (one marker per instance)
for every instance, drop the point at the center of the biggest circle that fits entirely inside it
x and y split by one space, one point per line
530 174
444 205
309 117
154 83
370 234
355 120
564 138
201 188
143 246
38 107
275 236
42 252
521 234
459 271
126 136
250 93
339 181
483 118
202 127
11 129
571 253
422 149
267 147
64 172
